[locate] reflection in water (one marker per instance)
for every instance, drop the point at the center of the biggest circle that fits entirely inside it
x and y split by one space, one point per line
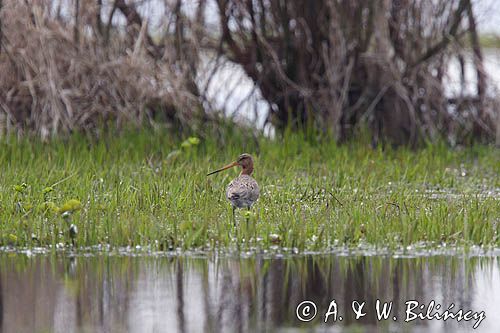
186 294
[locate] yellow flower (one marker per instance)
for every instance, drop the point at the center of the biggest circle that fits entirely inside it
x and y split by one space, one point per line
71 206
12 238
193 140
20 188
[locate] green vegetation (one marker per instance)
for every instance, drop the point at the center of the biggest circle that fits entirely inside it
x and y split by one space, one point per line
489 41
486 41
150 189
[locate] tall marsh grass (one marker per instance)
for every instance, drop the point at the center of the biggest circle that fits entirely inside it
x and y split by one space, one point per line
150 189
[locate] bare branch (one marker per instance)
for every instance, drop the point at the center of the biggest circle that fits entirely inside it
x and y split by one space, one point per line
134 19
447 37
76 27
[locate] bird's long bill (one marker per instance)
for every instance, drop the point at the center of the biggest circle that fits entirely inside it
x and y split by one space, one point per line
224 168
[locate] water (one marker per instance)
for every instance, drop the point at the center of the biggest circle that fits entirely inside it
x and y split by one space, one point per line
210 294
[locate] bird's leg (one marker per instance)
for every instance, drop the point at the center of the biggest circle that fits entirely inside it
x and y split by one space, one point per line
234 216
248 216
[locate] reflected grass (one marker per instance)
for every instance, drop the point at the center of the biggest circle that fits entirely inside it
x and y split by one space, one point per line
150 188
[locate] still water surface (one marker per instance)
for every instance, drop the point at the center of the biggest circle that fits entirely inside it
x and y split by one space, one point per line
212 294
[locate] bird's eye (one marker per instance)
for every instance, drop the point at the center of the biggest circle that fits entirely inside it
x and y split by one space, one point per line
243 157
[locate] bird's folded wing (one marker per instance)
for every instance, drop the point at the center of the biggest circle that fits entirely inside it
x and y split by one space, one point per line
237 191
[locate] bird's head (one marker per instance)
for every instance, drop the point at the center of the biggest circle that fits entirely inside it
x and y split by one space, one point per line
245 161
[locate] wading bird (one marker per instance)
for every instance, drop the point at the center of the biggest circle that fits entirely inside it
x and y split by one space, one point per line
242 191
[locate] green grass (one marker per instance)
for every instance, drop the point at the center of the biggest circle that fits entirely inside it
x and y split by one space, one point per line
151 189
489 41
486 41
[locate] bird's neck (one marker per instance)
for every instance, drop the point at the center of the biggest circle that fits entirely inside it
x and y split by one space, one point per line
247 171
